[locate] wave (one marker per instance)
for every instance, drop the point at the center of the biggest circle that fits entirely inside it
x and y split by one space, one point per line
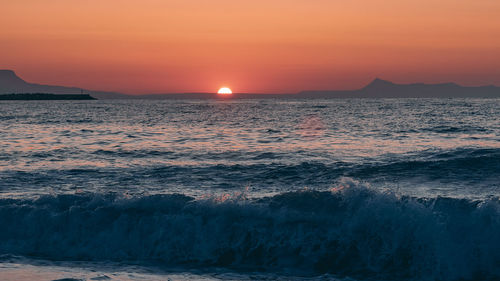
458 164
450 129
350 231
471 167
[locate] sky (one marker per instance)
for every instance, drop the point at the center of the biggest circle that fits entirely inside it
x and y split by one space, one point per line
265 46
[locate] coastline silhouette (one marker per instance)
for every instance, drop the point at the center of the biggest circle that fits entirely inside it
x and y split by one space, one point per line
378 88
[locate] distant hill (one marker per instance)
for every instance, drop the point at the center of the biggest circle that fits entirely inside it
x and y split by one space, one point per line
11 83
379 88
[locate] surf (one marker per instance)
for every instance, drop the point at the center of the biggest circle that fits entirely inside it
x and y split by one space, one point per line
351 230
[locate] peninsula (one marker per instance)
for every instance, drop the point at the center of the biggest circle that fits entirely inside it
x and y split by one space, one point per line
44 96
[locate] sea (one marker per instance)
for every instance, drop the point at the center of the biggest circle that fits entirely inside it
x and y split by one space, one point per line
250 189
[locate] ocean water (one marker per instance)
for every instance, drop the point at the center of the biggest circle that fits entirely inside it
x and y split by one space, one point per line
260 189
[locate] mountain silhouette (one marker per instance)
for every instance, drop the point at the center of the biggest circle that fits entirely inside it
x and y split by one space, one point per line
11 83
379 88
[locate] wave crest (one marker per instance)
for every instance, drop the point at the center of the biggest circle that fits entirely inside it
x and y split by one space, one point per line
352 231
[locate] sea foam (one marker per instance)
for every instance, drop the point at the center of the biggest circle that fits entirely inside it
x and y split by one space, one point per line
351 230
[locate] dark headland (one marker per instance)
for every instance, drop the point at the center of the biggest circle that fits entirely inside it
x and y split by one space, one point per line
378 88
11 83
44 96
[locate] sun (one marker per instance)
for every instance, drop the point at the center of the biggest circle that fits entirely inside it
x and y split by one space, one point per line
224 91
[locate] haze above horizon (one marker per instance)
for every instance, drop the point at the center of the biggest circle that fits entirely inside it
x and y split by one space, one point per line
154 46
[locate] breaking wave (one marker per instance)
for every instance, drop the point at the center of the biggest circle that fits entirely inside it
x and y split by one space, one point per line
351 231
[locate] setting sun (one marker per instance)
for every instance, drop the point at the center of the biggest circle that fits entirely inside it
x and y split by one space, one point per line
224 91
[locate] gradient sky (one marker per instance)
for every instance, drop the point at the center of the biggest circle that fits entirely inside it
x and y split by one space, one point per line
159 46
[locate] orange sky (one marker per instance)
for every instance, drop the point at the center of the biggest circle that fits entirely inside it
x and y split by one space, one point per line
158 46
